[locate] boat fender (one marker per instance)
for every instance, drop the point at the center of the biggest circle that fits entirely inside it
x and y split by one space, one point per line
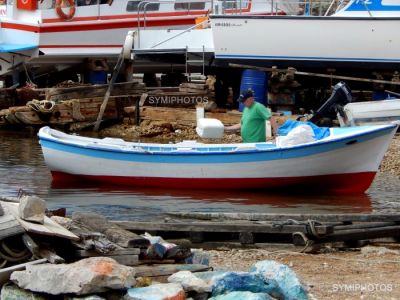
61 13
128 45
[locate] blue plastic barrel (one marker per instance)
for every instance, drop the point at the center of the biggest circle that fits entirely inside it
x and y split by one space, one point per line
97 77
257 81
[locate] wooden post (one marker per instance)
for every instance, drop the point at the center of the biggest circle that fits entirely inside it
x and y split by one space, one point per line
103 106
139 104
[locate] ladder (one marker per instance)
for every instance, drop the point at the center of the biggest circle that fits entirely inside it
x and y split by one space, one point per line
194 59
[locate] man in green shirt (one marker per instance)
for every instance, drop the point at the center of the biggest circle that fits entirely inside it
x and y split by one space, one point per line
252 124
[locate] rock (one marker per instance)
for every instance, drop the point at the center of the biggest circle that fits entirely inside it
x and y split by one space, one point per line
190 282
64 222
12 292
242 295
239 281
281 278
32 209
167 291
87 276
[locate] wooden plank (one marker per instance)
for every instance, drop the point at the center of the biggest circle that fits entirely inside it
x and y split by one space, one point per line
363 225
221 227
361 234
374 217
49 227
100 90
228 245
90 253
156 261
163 270
126 260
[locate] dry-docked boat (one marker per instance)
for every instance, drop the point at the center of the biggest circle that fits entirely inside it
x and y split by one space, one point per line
56 33
344 162
363 34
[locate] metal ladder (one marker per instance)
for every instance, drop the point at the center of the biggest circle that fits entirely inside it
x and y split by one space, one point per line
191 59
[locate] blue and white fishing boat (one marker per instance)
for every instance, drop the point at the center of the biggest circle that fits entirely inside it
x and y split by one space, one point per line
361 35
346 161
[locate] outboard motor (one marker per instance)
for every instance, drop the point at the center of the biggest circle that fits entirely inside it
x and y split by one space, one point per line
341 95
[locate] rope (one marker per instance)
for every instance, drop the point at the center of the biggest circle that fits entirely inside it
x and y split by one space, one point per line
43 106
29 80
13 253
3 263
310 223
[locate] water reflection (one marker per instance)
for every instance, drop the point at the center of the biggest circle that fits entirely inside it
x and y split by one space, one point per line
147 203
22 166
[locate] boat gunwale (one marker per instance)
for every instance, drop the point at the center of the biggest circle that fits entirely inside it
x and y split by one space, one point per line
50 138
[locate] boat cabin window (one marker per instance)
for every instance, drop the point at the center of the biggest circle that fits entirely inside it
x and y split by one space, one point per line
228 4
92 2
86 2
189 6
134 5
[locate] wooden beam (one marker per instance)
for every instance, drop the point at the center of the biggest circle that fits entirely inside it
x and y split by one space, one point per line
234 227
361 234
90 253
330 76
374 217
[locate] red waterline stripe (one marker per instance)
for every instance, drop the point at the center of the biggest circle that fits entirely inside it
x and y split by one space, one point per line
337 183
102 26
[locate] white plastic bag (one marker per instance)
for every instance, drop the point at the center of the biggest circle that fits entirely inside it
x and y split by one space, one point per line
300 135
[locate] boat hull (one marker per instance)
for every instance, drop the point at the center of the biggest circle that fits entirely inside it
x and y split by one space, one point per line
345 165
314 42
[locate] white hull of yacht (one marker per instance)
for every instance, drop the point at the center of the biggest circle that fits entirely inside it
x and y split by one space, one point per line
307 41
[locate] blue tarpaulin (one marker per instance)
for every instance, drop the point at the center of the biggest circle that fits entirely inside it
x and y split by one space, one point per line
319 132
